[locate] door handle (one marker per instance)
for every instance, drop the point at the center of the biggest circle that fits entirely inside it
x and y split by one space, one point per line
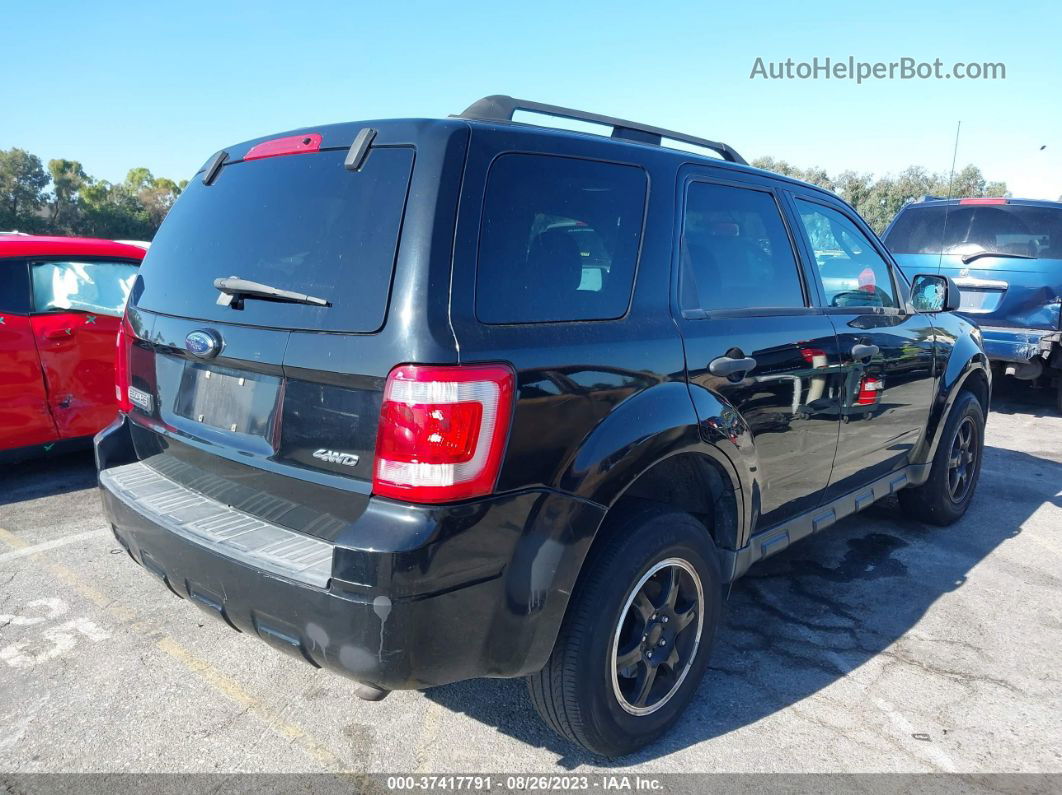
56 334
861 351
728 367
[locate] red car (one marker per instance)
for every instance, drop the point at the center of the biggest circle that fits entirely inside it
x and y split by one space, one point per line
61 303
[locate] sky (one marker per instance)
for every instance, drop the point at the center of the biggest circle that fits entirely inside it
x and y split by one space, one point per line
164 85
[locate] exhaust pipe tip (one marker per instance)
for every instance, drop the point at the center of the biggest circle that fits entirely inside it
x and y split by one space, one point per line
1025 371
369 692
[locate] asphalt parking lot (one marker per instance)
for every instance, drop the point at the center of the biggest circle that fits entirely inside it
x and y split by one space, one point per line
880 645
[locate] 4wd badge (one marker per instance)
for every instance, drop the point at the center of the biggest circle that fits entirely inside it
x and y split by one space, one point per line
333 457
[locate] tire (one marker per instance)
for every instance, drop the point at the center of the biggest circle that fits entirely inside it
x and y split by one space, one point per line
581 692
945 496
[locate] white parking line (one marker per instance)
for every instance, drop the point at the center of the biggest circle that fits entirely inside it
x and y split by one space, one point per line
44 546
198 666
934 754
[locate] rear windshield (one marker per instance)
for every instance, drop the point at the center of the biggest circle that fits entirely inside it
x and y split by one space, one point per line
998 228
299 222
559 240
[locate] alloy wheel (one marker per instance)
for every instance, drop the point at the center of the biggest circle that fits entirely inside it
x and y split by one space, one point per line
657 636
962 461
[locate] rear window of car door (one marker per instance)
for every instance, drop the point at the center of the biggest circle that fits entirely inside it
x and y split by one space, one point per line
559 239
735 251
14 288
852 272
100 288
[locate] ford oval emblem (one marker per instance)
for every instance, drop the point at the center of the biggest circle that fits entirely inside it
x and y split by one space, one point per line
204 344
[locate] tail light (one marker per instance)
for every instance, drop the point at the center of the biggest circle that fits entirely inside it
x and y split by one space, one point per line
443 431
869 391
121 367
816 357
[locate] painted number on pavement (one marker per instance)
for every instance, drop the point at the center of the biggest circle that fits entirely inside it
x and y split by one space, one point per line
51 641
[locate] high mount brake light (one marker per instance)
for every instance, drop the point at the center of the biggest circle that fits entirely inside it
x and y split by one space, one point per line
983 201
443 431
291 145
123 345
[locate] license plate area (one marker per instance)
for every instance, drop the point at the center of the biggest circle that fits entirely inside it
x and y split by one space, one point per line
230 400
979 300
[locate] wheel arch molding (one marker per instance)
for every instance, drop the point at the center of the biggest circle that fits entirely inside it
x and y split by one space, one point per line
653 433
966 369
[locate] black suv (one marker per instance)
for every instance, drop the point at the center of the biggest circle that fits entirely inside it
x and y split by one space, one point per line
425 400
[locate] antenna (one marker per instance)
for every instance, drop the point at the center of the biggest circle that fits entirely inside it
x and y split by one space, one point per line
947 207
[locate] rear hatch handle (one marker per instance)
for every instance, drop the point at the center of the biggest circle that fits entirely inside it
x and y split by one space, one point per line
234 289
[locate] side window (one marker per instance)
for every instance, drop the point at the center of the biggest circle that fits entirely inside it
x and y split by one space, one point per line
98 287
559 239
14 288
852 272
735 252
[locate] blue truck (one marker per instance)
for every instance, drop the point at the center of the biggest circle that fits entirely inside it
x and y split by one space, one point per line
1005 255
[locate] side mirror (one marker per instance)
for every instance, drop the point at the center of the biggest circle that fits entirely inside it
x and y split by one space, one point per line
932 292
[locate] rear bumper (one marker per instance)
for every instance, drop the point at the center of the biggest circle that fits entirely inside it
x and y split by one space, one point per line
477 589
1018 345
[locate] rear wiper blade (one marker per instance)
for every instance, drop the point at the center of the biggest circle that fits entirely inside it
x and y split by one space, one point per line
234 290
979 254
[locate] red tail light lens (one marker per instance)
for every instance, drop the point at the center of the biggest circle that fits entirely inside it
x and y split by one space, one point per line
121 367
443 431
869 391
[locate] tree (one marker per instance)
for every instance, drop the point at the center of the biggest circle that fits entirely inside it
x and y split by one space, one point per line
816 175
68 178
879 199
113 211
131 209
138 178
858 190
969 182
135 207
888 194
996 189
155 194
78 204
22 184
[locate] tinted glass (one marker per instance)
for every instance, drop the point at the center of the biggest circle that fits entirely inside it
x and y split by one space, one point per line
1004 228
559 239
852 272
299 222
735 251
14 288
98 287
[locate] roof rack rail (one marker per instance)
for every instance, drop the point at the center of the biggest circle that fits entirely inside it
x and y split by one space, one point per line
499 107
